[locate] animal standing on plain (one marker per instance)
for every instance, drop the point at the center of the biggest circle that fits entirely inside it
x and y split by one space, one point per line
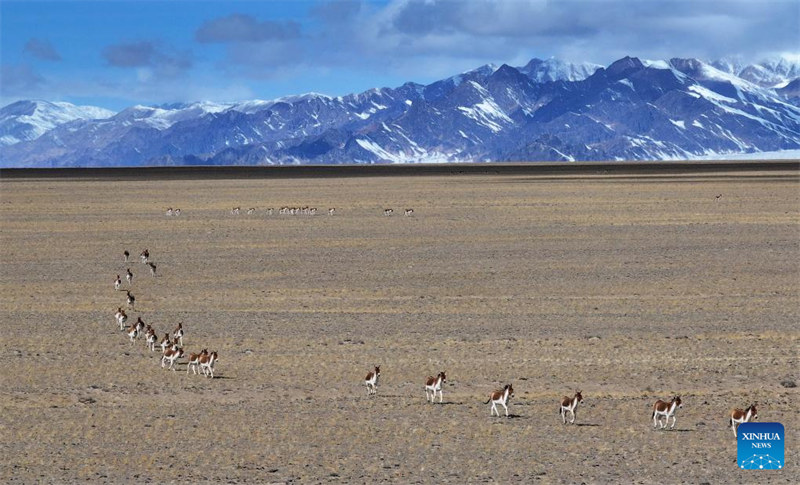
434 385
331 211
371 381
408 212
131 300
121 318
235 211
663 408
500 397
144 256
739 416
177 212
717 198
388 212
207 364
165 343
129 276
117 283
194 361
150 339
152 269
177 334
568 405
126 255
171 356
169 212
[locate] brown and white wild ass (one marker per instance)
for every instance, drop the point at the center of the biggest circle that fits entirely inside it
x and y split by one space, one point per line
144 256
408 212
129 276
739 416
121 318
133 333
501 397
117 283
177 334
126 255
194 361
371 381
171 356
569 404
434 385
131 300
150 338
388 212
663 408
152 269
165 343
207 364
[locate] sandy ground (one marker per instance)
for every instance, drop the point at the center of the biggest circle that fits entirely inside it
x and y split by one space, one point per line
628 288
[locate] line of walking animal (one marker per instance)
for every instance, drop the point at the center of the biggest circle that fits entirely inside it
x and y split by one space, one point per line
568 405
172 344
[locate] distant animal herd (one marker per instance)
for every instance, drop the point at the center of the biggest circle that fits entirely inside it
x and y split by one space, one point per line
203 362
172 343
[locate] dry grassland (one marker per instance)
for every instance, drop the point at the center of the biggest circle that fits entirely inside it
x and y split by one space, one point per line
629 288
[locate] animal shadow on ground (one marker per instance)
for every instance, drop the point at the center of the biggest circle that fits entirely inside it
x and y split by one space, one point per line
588 424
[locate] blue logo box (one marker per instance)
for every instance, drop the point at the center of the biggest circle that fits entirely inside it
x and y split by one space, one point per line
760 446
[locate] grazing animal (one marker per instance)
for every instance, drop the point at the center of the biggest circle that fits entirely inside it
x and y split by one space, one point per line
152 269
408 212
171 356
235 211
144 256
177 334
121 318
129 276
169 212
207 364
501 397
331 211
194 361
388 212
126 255
165 343
177 212
717 197
117 283
739 416
569 404
371 381
251 211
131 300
663 408
434 385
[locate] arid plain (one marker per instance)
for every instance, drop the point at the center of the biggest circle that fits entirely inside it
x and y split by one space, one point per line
630 288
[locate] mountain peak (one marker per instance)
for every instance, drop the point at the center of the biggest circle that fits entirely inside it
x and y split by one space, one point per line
624 67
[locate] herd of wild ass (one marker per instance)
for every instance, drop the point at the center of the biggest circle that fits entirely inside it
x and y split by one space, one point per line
171 344
172 348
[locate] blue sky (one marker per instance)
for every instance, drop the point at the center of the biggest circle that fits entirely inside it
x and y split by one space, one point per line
119 53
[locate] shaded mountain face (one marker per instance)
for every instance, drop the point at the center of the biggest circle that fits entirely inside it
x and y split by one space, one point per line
546 110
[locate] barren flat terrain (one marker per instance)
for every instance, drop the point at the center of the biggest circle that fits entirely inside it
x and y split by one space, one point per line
630 288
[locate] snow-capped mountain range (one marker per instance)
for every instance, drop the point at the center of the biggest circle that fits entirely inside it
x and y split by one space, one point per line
546 110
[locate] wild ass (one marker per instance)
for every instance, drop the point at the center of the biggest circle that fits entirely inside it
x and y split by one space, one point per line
434 385
569 404
501 397
663 408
